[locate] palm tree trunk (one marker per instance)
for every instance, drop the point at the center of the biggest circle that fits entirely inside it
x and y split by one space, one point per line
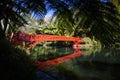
4 28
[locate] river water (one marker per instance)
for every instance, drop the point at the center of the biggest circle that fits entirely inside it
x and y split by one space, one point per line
65 63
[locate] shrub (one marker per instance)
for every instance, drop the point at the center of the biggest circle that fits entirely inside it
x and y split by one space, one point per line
15 64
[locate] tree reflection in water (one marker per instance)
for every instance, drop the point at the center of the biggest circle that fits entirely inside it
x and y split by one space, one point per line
95 64
46 69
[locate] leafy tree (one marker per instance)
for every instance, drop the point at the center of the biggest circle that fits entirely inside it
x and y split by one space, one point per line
88 15
97 19
13 10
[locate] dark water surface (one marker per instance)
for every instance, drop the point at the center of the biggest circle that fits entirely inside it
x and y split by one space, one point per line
65 63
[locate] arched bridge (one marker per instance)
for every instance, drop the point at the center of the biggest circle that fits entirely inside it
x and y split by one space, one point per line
35 39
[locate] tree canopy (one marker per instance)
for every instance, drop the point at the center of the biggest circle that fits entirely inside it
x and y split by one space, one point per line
99 20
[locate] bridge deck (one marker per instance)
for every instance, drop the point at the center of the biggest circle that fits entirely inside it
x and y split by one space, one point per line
37 38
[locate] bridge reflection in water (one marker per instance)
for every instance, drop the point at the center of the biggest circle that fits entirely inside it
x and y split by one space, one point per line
33 39
51 62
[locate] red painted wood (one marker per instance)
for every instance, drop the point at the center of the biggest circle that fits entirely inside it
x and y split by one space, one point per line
34 39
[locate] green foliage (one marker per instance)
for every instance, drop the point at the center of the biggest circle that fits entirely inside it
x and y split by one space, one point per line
93 17
12 12
98 20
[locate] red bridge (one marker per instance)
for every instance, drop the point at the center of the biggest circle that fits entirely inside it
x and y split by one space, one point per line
34 39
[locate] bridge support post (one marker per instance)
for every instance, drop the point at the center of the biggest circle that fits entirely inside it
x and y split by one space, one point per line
75 46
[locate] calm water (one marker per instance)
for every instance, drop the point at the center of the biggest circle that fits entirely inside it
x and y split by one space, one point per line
65 63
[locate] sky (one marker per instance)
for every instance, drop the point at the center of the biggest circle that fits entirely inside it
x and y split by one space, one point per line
104 0
48 15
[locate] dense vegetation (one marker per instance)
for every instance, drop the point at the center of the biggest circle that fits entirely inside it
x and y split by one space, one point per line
98 20
15 64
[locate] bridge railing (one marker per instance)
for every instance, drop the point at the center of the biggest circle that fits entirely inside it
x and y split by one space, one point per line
34 39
